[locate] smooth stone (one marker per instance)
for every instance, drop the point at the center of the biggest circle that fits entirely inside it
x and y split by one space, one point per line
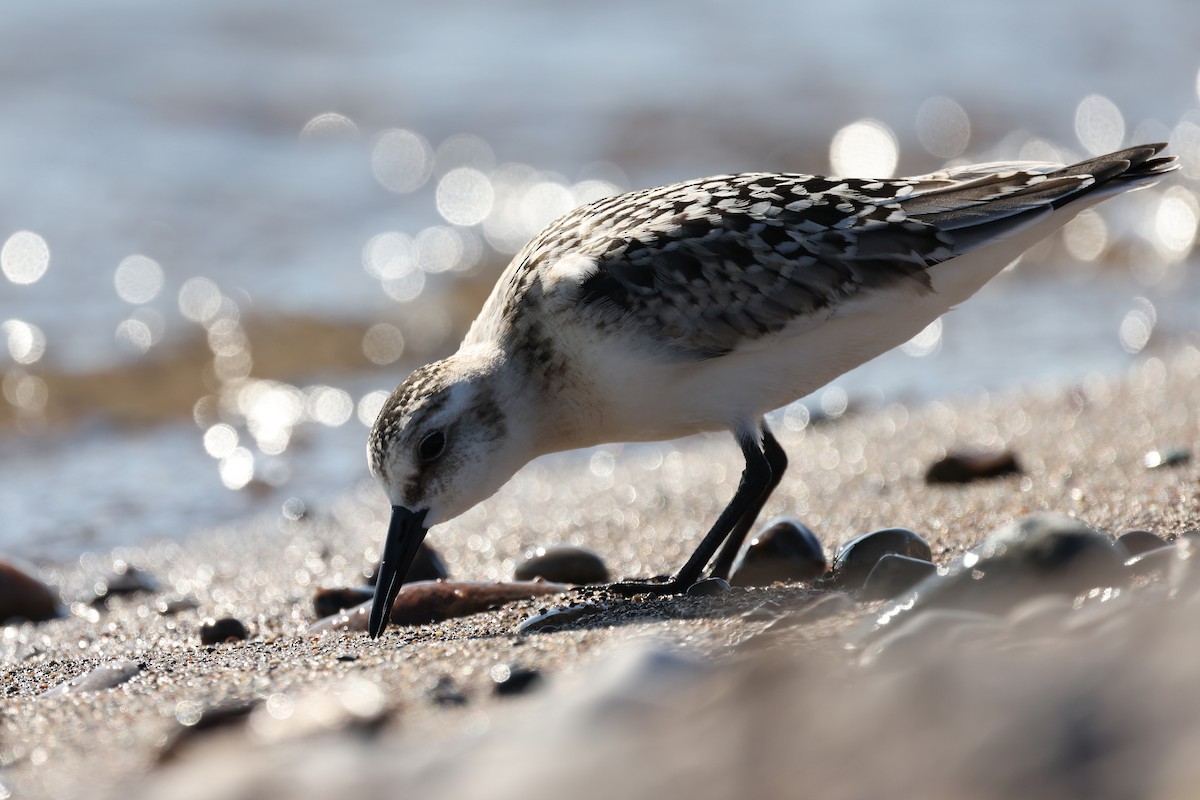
105 676
175 605
708 587
226 629
24 597
446 693
426 602
1167 457
426 566
856 558
124 580
1038 554
787 550
563 563
894 574
1138 542
327 602
508 680
964 467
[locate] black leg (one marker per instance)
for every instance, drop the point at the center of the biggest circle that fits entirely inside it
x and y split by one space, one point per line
756 478
777 459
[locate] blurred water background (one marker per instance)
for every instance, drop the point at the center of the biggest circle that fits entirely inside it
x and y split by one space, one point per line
228 228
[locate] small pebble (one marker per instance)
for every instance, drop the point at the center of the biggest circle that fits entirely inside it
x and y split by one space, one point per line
169 607
446 693
708 587
508 680
893 575
105 676
327 602
1138 542
563 563
787 550
427 566
124 580
1169 457
226 629
964 467
24 597
856 558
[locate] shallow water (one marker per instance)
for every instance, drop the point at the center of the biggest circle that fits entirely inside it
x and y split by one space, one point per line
173 170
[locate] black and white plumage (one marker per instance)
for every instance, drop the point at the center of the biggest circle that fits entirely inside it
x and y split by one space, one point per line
701 306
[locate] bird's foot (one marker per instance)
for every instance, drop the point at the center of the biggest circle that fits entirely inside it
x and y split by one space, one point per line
661 586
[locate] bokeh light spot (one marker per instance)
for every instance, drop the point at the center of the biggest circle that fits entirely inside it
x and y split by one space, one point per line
438 249
370 406
138 279
329 406
220 440
401 160
237 468
135 334
389 255
329 127
943 127
1137 326
1176 220
1099 124
383 343
26 342
24 257
464 196
199 299
1086 236
926 343
864 149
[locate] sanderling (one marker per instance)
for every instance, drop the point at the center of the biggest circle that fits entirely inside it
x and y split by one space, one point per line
702 306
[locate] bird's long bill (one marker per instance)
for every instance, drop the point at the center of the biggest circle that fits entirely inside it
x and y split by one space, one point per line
405 534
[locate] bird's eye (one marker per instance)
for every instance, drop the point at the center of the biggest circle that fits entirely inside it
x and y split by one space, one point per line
432 446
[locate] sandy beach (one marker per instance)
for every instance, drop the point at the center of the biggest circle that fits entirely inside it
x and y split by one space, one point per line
678 697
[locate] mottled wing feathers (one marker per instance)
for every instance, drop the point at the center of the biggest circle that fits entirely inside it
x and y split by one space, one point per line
704 266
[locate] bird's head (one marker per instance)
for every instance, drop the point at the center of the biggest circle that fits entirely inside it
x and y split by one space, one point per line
444 440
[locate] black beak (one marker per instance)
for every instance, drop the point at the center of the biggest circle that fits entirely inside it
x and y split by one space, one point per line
405 534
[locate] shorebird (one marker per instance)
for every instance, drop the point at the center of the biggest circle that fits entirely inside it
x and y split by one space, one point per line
701 306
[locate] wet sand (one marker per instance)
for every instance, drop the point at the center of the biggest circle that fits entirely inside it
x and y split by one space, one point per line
707 697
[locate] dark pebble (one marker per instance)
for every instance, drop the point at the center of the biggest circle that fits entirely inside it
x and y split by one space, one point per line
347 658
105 676
856 558
427 566
124 580
787 550
708 587
893 575
1169 457
563 563
1138 542
175 605
508 681
327 602
24 597
446 693
966 467
226 629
